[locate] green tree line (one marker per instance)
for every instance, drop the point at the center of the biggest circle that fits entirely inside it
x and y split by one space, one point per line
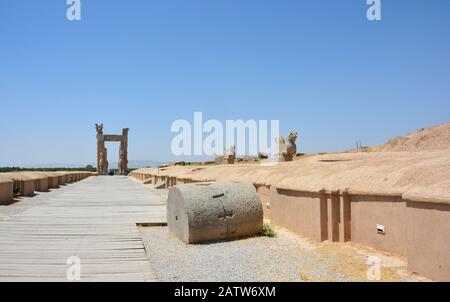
88 168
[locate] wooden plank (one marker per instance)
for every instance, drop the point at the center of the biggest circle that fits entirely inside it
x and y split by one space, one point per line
95 220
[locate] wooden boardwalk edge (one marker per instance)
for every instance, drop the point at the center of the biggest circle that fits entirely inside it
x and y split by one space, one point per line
94 220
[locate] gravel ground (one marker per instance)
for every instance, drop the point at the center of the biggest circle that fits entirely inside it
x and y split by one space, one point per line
287 257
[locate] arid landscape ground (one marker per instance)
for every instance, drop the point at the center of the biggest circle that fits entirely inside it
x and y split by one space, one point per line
391 185
287 257
417 164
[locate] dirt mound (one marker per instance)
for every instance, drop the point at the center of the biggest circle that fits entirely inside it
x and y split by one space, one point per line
427 139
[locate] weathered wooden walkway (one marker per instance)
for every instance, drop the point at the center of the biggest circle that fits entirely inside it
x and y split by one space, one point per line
94 220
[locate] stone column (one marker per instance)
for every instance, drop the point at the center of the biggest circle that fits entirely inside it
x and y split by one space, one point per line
100 146
106 164
124 150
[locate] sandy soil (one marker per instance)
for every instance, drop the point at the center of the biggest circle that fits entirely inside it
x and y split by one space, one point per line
427 139
422 172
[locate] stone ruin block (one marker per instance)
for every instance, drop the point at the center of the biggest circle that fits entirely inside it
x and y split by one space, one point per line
204 212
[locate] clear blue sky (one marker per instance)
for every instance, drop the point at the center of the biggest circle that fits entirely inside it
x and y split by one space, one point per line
319 66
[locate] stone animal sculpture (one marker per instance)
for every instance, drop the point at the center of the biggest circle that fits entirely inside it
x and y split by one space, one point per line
106 169
287 150
230 154
99 128
102 163
122 162
291 145
263 155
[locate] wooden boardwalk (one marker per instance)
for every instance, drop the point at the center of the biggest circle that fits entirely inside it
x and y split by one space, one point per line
94 220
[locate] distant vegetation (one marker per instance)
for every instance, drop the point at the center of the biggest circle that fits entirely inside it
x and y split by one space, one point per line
88 168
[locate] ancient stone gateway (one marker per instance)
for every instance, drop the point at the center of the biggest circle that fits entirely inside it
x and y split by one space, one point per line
102 152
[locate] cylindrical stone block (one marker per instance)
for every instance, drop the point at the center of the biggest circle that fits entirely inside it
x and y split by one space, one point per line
214 211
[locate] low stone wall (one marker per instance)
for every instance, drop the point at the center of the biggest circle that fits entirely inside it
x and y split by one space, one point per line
428 239
53 182
6 191
25 184
301 212
41 184
389 213
62 180
26 187
415 229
